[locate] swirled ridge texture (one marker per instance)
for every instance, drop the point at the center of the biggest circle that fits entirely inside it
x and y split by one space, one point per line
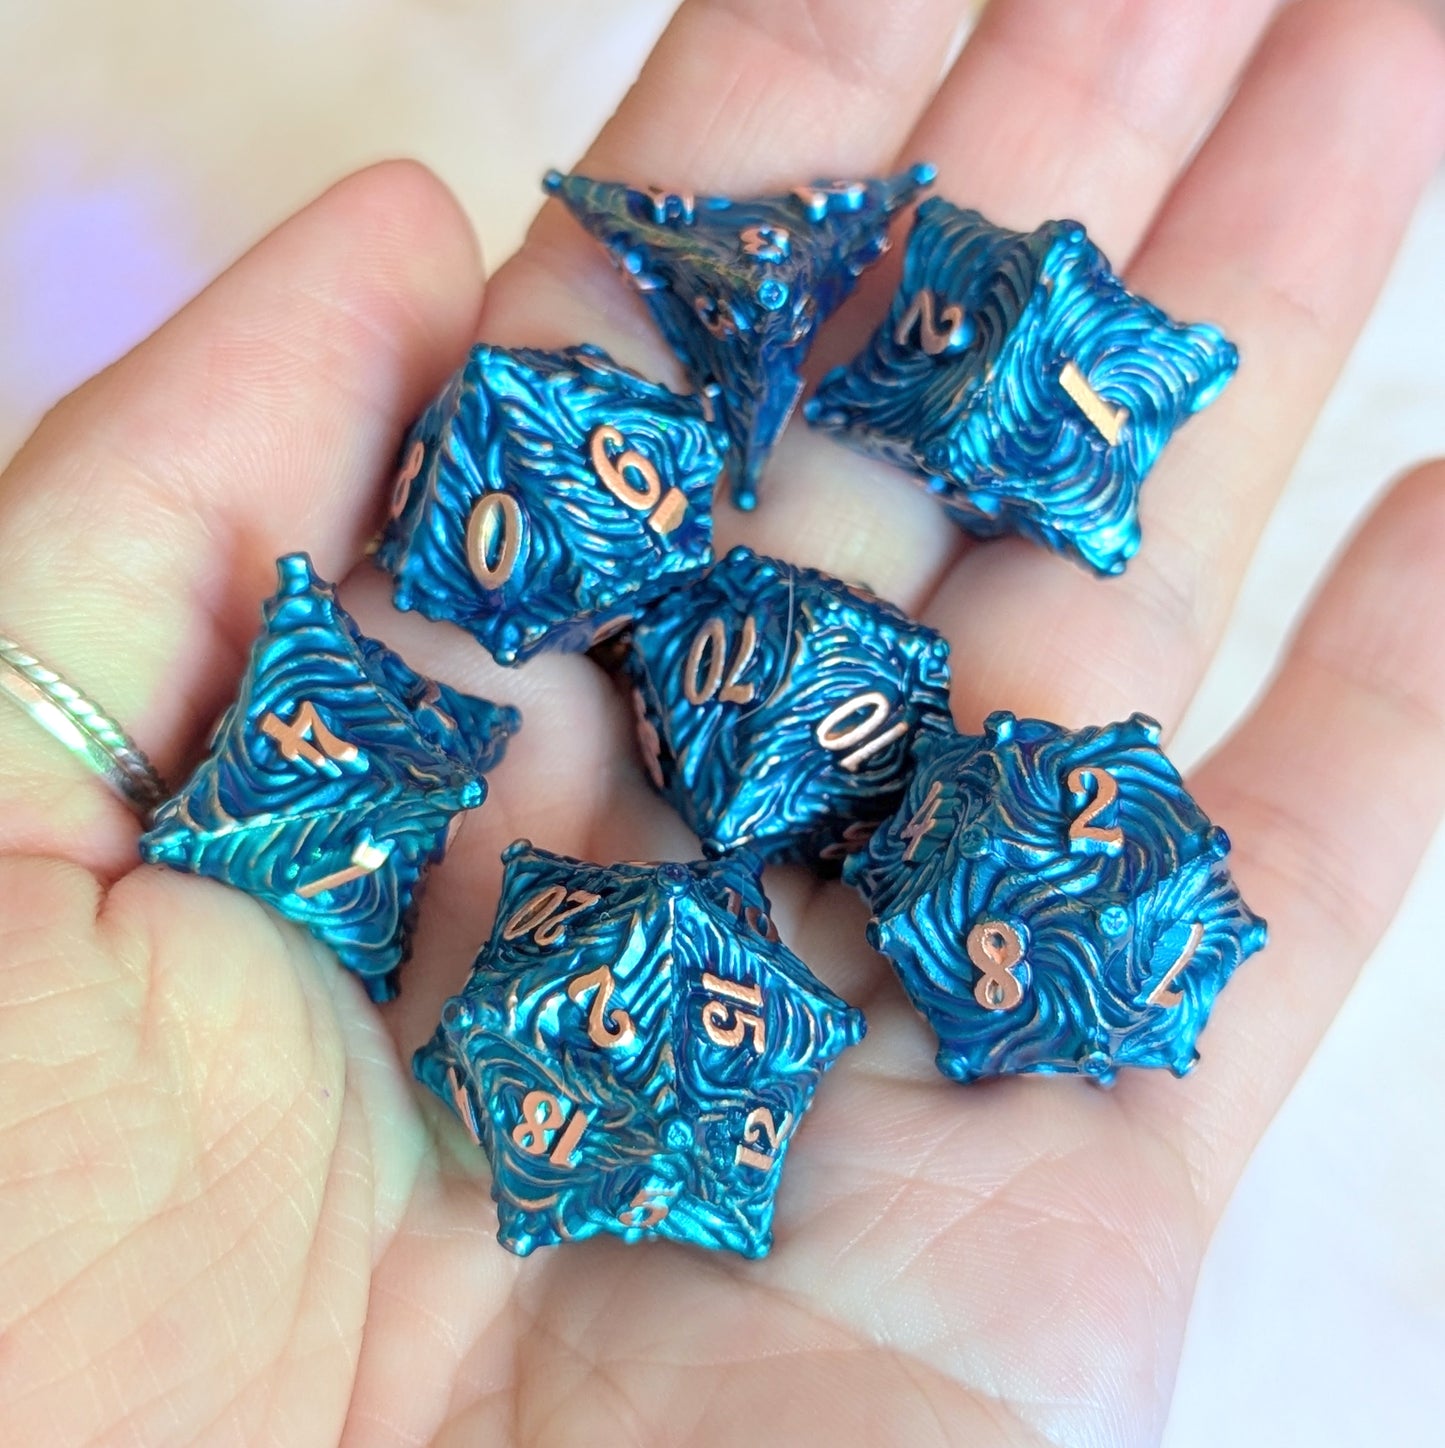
743 759
986 416
1124 945
739 287
672 1105
404 756
523 423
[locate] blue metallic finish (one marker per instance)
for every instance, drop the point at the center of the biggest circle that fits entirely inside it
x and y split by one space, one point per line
744 682
365 785
1126 921
568 554
656 1002
965 383
739 287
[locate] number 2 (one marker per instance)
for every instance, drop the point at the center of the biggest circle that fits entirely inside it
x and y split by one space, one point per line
1084 835
605 1028
760 1129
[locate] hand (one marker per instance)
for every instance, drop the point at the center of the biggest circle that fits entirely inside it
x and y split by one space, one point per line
226 1215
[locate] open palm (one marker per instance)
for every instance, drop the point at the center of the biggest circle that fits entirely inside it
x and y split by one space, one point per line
225 1214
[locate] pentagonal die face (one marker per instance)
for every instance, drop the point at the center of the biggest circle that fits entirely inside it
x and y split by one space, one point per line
1054 901
546 495
1019 376
633 1051
779 709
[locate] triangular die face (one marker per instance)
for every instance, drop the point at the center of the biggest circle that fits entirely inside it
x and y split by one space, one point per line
739 287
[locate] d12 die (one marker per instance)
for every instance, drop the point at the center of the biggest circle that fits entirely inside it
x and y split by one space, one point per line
332 781
1054 901
546 495
633 1051
779 708
1020 378
739 287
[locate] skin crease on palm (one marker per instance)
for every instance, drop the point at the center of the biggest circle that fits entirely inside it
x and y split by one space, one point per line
227 1217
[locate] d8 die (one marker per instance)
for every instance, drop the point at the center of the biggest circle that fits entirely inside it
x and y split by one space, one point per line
740 286
1054 901
1030 389
779 708
546 495
332 781
633 1051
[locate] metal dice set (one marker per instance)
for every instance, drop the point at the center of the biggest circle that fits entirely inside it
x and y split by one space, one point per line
634 1047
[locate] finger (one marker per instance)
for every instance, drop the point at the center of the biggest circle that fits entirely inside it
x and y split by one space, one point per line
1050 111
139 526
1331 792
739 96
1282 232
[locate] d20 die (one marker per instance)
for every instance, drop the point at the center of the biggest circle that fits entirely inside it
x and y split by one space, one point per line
332 781
739 287
779 708
1020 378
545 496
1054 901
633 1050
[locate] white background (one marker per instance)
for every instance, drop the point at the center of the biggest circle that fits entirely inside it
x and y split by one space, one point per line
144 143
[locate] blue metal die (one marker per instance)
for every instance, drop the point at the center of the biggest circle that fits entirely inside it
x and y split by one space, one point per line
779 708
740 287
1054 901
633 1051
332 780
1030 389
545 496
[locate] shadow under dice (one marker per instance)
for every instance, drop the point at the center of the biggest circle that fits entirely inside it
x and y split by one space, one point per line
633 1050
332 781
1054 901
739 287
1030 389
545 496
779 708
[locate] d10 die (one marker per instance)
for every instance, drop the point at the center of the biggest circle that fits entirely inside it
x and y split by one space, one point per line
779 708
332 781
739 287
1054 901
546 495
633 1051
1030 389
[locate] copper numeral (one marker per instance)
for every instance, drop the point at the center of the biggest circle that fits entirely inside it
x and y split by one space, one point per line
649 742
756 920
494 538
633 480
366 859
545 915
761 1130
726 1025
995 949
1105 417
922 313
547 1130
1084 834
462 1103
645 1210
921 825
605 1028
864 738
307 737
855 838
720 678
401 490
1161 995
